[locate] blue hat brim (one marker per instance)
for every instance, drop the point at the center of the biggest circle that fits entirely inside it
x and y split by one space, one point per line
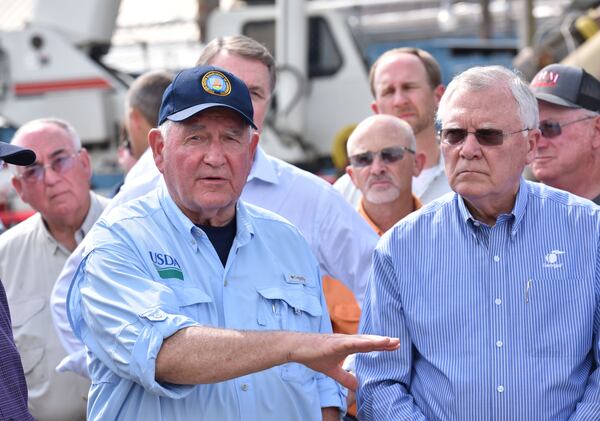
16 155
188 112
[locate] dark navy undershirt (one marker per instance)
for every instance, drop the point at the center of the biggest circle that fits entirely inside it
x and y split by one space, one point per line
221 238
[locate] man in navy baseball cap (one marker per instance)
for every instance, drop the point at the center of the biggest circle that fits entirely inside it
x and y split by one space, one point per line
193 279
568 151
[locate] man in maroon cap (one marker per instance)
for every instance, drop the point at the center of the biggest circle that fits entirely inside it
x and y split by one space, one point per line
568 152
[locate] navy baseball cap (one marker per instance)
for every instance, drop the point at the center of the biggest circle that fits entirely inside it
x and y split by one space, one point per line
568 86
16 155
200 88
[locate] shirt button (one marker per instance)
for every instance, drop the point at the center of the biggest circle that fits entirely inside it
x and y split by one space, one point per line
476 223
497 301
499 344
244 387
500 389
225 282
496 258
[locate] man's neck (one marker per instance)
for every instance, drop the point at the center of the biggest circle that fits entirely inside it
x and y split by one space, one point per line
386 215
64 230
427 143
64 233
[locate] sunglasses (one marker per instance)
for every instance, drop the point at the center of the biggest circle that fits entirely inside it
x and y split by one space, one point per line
387 155
485 137
552 128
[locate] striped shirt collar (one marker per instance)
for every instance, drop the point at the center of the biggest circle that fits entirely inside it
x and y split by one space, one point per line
516 214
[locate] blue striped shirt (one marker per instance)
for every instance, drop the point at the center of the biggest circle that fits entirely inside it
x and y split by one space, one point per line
495 323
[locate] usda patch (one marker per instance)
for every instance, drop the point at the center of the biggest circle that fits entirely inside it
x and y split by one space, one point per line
167 266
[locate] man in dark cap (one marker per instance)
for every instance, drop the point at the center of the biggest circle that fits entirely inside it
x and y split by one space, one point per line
183 296
568 152
13 389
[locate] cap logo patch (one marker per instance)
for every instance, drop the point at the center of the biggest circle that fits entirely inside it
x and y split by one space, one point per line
216 83
545 79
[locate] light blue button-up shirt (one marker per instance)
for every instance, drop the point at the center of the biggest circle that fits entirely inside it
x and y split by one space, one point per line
495 323
152 272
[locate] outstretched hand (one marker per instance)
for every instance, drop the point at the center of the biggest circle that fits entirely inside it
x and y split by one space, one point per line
324 352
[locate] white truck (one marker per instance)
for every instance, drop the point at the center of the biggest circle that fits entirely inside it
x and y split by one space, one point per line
54 66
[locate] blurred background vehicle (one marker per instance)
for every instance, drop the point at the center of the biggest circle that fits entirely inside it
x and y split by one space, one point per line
74 59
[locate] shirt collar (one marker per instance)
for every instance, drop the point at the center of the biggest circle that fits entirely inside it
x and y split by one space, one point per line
263 168
93 214
189 230
517 212
180 222
361 209
245 229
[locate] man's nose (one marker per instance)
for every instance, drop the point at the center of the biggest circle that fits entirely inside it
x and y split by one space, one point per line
470 148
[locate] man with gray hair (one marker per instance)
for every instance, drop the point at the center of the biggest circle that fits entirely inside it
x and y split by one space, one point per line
494 291
568 152
32 254
195 305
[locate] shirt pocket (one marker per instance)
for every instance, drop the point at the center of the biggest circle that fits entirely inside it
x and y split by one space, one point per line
290 309
26 316
559 318
293 309
196 304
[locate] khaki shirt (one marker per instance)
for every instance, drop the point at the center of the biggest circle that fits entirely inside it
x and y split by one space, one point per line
30 262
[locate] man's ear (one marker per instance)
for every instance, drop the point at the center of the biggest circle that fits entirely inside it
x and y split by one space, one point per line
374 107
254 143
351 174
16 182
596 128
437 93
420 159
84 157
157 144
533 136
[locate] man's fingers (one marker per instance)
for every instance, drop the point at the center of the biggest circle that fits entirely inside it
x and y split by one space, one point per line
368 343
343 377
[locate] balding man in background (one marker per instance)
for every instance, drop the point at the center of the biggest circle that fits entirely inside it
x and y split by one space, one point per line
383 161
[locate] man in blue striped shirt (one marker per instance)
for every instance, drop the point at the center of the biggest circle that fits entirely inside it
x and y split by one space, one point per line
494 290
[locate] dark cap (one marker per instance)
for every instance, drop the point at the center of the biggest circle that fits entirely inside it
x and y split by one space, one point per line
16 155
200 88
568 86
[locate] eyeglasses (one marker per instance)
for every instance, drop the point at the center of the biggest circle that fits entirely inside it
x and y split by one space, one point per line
35 173
387 155
485 137
552 128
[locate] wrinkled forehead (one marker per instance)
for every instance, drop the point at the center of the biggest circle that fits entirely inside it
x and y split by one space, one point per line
489 104
45 139
377 137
